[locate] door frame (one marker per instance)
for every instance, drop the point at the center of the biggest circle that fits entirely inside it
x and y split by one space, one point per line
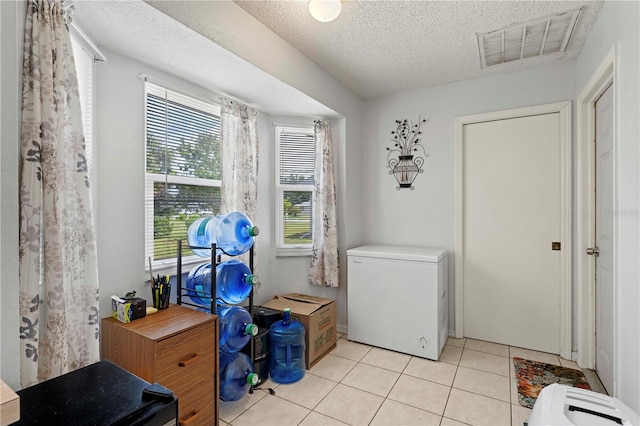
564 109
585 221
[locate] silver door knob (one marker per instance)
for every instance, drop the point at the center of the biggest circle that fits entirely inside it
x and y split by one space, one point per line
593 251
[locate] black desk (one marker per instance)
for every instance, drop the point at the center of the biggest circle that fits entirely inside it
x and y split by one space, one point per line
98 395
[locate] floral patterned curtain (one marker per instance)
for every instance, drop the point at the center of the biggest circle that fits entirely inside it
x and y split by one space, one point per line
324 252
239 155
58 265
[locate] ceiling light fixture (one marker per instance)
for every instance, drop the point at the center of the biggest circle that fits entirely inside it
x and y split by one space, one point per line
325 10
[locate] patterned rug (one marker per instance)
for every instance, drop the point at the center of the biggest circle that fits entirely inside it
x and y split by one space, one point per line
532 376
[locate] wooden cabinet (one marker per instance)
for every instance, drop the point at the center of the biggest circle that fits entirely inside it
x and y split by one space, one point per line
176 347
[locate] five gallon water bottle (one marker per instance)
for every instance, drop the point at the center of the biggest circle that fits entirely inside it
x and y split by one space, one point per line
236 375
287 350
236 327
234 282
232 233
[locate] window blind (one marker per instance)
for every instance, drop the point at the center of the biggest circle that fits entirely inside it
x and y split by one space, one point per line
84 71
294 187
183 168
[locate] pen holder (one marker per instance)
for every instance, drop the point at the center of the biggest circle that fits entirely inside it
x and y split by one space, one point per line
161 292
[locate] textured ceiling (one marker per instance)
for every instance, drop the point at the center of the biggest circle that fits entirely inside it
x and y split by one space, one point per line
380 47
374 48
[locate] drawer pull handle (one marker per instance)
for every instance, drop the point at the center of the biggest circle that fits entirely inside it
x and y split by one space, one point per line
190 418
191 360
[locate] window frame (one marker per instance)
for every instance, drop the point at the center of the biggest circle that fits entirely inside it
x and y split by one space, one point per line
170 264
283 249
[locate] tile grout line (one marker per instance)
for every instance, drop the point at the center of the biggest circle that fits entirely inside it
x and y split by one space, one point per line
313 410
392 386
454 380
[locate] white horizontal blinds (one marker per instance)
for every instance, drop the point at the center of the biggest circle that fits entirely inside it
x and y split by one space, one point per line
183 168
84 70
296 158
183 135
295 171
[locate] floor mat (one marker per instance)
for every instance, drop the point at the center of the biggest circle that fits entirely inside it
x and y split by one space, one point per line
532 376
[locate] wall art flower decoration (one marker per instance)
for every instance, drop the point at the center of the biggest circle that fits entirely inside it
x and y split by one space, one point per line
402 160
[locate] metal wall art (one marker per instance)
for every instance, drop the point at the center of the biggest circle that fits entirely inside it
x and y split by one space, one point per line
401 160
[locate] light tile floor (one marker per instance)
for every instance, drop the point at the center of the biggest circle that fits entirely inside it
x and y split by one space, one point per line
472 384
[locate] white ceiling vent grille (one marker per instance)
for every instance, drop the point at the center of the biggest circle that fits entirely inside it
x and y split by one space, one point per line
549 34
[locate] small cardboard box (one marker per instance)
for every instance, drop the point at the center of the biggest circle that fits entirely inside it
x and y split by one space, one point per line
318 316
121 309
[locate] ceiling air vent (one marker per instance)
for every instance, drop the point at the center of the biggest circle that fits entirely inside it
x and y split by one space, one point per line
549 34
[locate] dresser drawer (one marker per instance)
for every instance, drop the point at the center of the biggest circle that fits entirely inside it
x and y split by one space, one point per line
198 407
186 357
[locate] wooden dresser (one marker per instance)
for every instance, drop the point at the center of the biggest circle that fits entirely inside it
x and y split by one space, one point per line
176 347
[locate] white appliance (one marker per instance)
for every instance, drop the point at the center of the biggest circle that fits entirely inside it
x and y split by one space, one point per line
565 405
397 298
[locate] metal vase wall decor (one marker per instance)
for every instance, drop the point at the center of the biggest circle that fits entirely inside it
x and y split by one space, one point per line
401 160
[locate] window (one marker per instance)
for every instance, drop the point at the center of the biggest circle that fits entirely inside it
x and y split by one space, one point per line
294 189
85 55
182 169
83 59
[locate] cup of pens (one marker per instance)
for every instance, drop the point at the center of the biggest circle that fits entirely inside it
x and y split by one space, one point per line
161 291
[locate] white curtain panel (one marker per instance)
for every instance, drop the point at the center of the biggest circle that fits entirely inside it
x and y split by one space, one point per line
324 259
59 318
239 159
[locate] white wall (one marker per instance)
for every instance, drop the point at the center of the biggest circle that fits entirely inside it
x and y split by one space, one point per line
120 174
617 27
12 19
425 216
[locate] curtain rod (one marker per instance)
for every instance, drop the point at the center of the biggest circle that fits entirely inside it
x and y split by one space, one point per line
298 126
177 88
98 56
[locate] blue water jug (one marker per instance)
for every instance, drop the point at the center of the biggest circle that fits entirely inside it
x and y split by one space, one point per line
232 233
234 282
236 375
236 327
200 234
287 350
199 284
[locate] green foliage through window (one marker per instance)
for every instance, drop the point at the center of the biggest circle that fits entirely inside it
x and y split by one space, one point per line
183 167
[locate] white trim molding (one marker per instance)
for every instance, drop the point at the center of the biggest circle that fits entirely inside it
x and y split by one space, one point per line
88 44
585 218
564 109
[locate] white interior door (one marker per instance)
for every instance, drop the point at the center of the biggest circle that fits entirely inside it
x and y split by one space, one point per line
512 190
604 238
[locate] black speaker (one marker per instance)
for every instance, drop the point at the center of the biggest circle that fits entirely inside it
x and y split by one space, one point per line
264 317
138 307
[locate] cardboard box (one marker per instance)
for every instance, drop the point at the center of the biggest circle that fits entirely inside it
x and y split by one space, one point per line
318 316
121 309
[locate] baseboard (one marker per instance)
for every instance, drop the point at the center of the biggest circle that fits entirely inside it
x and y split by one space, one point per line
341 329
452 333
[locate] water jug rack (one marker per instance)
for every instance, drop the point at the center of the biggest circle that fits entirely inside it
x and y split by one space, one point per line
215 260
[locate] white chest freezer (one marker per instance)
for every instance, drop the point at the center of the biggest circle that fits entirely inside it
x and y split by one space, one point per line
397 298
